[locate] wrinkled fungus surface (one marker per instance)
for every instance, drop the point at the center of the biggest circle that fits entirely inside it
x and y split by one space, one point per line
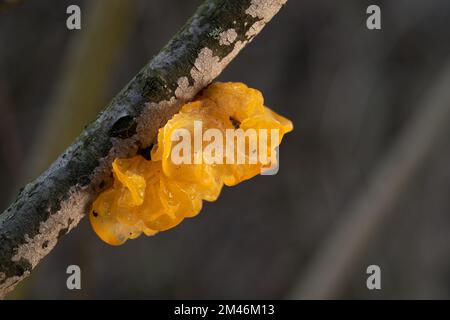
154 195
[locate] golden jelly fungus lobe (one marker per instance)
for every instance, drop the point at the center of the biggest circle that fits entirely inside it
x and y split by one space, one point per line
220 138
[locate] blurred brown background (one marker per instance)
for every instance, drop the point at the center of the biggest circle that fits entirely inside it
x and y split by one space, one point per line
350 93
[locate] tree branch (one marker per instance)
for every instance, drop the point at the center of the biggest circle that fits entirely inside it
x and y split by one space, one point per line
54 203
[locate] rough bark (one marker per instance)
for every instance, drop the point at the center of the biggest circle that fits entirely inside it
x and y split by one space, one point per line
55 202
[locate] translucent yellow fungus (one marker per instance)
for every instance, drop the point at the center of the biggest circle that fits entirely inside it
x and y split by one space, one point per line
155 195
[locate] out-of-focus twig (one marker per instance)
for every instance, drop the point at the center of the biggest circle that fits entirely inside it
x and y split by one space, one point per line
6 5
10 146
428 126
80 90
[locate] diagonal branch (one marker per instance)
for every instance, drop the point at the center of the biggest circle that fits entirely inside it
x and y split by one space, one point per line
54 203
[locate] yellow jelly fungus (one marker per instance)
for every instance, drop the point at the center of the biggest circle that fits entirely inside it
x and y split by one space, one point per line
154 195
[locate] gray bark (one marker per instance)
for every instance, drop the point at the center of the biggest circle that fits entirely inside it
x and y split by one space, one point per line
55 202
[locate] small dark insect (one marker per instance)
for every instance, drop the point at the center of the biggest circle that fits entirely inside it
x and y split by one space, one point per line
236 123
